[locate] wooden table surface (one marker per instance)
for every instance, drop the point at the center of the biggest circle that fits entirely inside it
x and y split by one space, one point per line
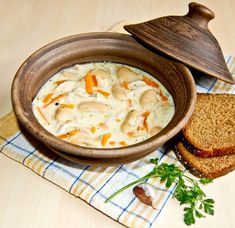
27 200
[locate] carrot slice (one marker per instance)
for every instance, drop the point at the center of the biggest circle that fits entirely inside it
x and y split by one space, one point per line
42 115
131 134
94 80
54 99
125 85
112 143
90 82
150 82
74 132
63 136
71 106
47 97
146 114
104 93
59 82
123 143
163 97
145 124
105 139
93 130
69 133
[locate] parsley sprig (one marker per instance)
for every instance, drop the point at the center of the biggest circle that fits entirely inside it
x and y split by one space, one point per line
187 191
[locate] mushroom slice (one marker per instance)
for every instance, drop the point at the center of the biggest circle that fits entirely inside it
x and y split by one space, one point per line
67 126
102 76
118 92
154 130
130 119
125 74
64 114
89 106
69 75
148 98
66 86
83 139
137 84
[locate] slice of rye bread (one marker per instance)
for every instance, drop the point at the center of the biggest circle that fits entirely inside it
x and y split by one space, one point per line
205 167
210 131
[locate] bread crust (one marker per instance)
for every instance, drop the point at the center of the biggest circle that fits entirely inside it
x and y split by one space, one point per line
208 153
201 167
214 108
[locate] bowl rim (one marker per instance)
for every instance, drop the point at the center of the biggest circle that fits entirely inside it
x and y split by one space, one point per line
52 141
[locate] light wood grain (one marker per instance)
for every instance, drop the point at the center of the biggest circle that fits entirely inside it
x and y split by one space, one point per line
27 200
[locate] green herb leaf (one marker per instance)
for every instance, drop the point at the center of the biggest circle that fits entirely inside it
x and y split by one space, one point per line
154 161
209 201
198 214
208 209
208 206
189 217
205 180
201 206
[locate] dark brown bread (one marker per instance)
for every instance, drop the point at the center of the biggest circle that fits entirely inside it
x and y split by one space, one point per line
205 167
211 129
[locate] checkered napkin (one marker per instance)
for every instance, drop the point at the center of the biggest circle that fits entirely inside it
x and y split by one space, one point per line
95 184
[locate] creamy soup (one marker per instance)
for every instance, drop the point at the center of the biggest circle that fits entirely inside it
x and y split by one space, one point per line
103 105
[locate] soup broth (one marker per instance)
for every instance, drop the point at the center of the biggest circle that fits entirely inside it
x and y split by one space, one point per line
103 105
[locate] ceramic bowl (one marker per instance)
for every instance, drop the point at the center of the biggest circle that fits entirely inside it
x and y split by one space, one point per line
96 47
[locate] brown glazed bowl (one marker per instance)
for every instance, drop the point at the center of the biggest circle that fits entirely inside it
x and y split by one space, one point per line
95 47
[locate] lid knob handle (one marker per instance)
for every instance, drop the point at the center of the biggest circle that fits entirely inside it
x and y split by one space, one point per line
200 14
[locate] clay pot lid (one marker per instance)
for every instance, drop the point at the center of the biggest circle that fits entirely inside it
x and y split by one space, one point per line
186 39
